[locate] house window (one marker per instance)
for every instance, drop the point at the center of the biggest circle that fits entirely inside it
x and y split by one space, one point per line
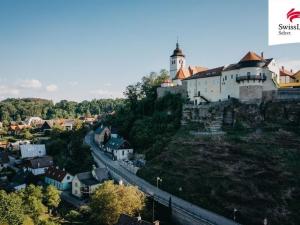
231 76
76 184
225 77
248 73
123 152
75 192
198 93
68 177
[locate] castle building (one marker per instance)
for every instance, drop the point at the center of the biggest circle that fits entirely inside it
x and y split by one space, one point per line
248 79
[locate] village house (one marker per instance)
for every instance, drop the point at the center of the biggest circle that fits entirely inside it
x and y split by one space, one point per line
15 146
101 135
84 184
68 124
118 148
47 125
129 220
32 150
59 178
38 166
33 121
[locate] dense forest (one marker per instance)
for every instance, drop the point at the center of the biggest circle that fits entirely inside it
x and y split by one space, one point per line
19 109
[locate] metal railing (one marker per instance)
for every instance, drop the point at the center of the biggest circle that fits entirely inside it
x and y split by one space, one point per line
262 77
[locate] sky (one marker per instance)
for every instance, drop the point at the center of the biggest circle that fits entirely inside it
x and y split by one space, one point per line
82 50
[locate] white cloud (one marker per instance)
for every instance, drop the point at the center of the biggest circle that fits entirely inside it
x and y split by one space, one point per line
73 83
107 84
33 83
8 90
51 88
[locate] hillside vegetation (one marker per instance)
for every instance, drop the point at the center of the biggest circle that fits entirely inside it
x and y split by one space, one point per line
254 168
19 109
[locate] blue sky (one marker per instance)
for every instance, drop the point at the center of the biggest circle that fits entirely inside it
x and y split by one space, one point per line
76 50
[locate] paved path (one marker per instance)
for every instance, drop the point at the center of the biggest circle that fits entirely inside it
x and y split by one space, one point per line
194 213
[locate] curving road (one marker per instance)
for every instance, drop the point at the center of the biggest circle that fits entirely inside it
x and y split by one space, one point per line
191 212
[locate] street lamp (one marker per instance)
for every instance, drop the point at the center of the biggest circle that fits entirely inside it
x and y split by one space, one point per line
158 179
234 212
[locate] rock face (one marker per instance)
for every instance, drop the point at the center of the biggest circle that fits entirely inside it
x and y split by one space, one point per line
235 114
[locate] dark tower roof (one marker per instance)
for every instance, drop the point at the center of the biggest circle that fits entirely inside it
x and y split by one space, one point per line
177 51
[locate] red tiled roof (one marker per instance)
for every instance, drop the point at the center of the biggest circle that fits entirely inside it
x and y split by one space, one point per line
284 72
55 173
251 56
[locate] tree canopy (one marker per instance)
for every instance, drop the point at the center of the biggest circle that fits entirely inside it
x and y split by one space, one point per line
110 200
19 109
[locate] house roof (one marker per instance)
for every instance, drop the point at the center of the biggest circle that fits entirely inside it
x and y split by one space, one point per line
251 56
116 143
177 51
33 148
182 73
207 73
128 220
39 162
284 72
196 69
55 173
90 178
235 66
4 157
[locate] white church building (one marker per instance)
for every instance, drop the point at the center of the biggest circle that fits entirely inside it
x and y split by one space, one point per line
245 80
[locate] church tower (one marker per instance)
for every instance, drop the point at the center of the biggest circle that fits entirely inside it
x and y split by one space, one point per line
177 60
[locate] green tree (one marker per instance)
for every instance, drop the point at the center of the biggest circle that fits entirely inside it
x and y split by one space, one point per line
32 197
110 200
11 211
52 197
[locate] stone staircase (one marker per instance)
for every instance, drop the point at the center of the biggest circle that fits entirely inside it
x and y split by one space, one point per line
215 125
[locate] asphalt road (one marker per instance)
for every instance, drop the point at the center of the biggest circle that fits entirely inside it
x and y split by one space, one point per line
195 213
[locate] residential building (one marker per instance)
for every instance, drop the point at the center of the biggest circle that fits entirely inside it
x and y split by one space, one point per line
32 150
101 135
68 124
33 121
129 220
47 125
59 178
38 166
118 148
84 184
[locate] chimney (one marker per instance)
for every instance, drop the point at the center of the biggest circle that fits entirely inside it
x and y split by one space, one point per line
291 70
262 54
282 67
156 222
139 218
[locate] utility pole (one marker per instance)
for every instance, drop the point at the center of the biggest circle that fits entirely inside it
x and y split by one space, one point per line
158 179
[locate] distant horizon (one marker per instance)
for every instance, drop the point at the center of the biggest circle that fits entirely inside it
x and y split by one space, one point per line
78 51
